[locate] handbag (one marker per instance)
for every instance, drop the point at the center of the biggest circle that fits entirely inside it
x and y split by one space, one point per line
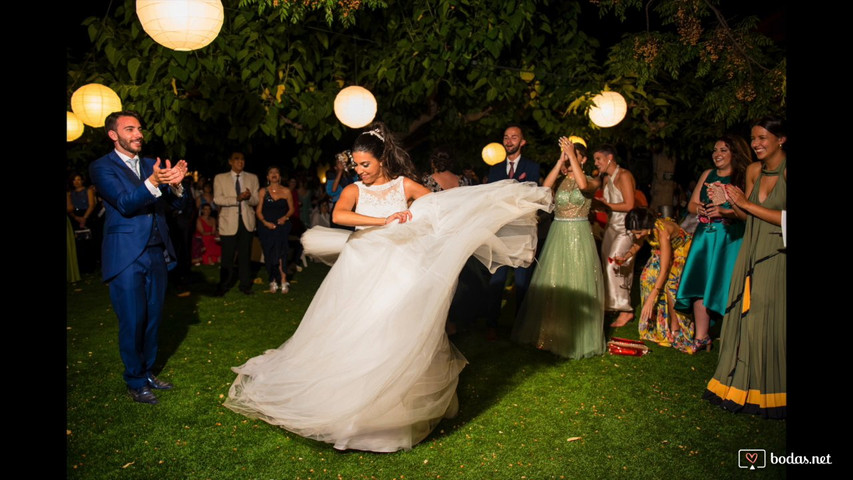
628 347
83 234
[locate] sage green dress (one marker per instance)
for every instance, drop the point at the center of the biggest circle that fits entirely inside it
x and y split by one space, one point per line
751 370
563 311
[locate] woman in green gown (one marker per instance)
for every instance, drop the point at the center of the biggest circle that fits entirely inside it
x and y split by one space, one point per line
563 311
751 370
704 288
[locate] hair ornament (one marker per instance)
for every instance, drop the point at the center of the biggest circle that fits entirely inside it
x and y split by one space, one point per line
375 133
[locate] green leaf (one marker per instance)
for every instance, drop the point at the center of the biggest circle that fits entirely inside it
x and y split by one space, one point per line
93 32
178 72
299 70
133 67
239 21
491 94
110 51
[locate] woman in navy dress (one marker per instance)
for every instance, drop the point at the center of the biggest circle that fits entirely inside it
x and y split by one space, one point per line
273 213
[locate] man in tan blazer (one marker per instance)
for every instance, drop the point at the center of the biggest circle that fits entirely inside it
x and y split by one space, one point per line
236 221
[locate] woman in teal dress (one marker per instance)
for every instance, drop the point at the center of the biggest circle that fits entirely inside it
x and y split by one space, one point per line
704 289
563 311
751 375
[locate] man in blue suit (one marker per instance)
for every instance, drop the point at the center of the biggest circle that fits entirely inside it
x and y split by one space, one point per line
523 170
136 246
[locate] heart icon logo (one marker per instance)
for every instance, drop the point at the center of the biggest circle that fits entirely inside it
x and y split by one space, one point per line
752 457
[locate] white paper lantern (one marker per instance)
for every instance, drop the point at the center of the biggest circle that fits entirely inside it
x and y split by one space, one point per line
74 128
494 153
355 106
609 109
93 102
181 25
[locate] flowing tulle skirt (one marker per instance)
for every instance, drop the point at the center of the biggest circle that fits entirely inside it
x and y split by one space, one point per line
370 367
563 311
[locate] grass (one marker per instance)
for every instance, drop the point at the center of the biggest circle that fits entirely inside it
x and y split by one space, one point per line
525 414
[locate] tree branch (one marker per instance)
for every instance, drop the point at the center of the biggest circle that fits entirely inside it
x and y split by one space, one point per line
473 117
288 121
432 112
729 34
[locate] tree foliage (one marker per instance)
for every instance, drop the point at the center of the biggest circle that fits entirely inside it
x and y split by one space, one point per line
443 71
296 10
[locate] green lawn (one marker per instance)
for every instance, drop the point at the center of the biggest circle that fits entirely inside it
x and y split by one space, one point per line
525 414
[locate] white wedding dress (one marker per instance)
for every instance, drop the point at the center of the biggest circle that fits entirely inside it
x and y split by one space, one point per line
370 366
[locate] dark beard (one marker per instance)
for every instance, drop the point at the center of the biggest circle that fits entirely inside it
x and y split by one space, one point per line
127 146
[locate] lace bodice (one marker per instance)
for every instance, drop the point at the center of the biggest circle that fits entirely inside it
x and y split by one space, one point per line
381 200
570 202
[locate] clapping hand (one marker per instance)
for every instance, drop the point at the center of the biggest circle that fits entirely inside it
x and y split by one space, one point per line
736 195
169 175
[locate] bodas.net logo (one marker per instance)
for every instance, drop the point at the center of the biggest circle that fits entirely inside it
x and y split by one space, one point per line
751 458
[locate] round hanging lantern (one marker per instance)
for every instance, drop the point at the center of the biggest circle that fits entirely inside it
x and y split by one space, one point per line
74 128
355 106
494 153
181 25
577 139
93 102
609 109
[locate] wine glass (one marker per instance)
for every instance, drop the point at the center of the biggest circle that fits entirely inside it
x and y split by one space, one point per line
709 227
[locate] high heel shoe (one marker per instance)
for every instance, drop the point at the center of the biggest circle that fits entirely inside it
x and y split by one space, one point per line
703 343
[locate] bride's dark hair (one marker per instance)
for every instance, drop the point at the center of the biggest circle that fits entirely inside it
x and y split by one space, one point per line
378 141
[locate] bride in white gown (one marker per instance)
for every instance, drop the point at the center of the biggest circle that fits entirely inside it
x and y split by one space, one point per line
370 366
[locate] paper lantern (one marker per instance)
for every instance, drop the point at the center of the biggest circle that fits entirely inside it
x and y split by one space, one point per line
93 102
609 109
355 106
577 139
181 25
494 153
74 128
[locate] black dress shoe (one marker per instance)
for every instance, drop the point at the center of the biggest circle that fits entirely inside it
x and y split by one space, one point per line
158 384
220 292
247 291
143 395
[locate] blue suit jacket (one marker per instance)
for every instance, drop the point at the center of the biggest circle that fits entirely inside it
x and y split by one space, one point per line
525 171
130 212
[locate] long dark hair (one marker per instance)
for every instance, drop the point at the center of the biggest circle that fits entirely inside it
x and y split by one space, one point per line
378 141
741 158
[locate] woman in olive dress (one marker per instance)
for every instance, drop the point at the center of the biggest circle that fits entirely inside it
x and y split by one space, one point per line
751 375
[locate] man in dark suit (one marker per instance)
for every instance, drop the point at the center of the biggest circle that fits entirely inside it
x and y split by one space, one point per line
523 170
136 245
